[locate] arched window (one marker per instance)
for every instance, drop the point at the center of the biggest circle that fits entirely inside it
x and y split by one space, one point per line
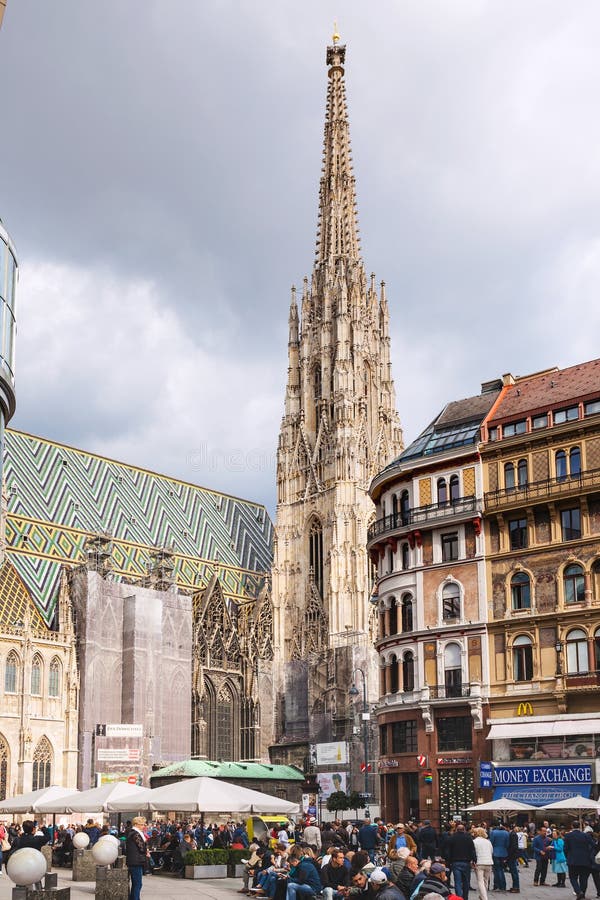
573 583
405 557
393 616
36 676
54 678
224 721
408 672
561 465
520 591
509 476
452 670
394 675
522 658
575 462
3 767
11 672
405 507
577 652
454 489
42 765
451 602
442 492
597 649
522 473
316 554
390 560
317 395
407 613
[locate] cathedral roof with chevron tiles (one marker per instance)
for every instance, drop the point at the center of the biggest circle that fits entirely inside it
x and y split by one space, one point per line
59 495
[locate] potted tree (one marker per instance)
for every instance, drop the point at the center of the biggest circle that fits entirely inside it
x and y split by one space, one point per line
206 863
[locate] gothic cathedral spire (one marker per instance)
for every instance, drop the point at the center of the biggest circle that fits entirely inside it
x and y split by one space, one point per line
339 428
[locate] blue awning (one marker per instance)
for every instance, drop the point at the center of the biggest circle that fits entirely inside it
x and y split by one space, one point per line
540 795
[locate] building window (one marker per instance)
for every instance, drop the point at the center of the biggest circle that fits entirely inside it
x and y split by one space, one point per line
454 733
36 677
509 476
574 584
383 740
405 557
570 520
513 428
522 473
54 679
577 652
592 407
450 547
520 591
522 658
404 736
224 722
561 465
493 434
408 672
407 613
405 507
566 415
451 603
316 554
318 394
452 671
393 616
597 649
3 768
42 765
394 685
517 532
10 673
390 560
442 492
575 462
454 489
540 421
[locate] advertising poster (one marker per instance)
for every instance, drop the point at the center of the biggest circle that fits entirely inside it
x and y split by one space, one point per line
334 754
330 782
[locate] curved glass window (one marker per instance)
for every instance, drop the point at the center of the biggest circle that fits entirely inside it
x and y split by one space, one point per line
522 658
577 652
509 476
520 591
574 584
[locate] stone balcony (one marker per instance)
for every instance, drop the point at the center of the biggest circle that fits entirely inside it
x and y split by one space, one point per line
399 523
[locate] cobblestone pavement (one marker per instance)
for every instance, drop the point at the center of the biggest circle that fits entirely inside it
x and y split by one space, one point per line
164 888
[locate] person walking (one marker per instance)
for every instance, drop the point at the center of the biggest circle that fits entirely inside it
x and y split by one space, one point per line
484 863
499 842
513 860
579 849
461 856
558 860
540 845
136 854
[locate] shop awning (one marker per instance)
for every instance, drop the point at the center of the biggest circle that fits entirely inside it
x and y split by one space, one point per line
540 795
556 728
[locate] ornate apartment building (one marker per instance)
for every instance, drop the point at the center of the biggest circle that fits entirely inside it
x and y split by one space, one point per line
339 428
428 546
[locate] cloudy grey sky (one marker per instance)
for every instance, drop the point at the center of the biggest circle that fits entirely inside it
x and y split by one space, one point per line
159 176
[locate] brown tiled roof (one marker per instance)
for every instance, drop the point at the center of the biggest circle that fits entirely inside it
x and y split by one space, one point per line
468 410
552 388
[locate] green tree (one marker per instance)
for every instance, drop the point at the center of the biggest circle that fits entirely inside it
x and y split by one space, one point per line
338 801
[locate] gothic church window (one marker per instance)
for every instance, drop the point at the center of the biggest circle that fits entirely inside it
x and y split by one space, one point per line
224 724
36 676
316 554
317 394
3 768
42 765
54 678
10 673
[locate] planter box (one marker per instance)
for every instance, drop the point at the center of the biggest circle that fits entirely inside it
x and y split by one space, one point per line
235 870
206 871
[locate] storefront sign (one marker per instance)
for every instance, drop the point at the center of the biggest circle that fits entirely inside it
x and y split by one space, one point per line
454 760
543 775
486 778
388 763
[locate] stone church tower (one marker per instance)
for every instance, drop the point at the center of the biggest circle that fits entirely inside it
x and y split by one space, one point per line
340 427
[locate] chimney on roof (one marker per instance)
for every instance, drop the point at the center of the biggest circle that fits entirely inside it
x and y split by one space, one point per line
488 387
508 379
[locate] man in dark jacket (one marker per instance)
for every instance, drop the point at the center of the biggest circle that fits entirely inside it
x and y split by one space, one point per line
29 838
436 881
579 850
461 856
329 838
335 876
513 859
406 878
136 854
368 838
427 840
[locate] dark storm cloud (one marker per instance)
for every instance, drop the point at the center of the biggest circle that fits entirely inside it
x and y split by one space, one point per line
160 174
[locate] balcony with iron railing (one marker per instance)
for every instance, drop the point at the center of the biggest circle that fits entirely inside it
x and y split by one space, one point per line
586 681
433 694
540 491
401 522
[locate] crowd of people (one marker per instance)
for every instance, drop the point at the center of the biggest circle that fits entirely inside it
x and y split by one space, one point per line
374 861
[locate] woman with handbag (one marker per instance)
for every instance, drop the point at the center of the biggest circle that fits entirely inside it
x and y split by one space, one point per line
558 860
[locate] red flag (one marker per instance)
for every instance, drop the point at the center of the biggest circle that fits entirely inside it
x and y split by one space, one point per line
362 767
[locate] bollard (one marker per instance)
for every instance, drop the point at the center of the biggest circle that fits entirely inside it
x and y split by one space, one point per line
112 883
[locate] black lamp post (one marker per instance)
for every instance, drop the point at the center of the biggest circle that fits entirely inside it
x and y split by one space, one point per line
559 648
354 692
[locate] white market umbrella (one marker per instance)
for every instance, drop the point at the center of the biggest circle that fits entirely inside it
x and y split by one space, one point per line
575 804
203 794
24 803
93 801
502 805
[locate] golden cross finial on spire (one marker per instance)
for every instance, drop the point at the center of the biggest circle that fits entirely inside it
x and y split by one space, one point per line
336 36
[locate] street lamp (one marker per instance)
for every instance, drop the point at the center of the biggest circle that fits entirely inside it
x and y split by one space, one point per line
354 692
559 648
